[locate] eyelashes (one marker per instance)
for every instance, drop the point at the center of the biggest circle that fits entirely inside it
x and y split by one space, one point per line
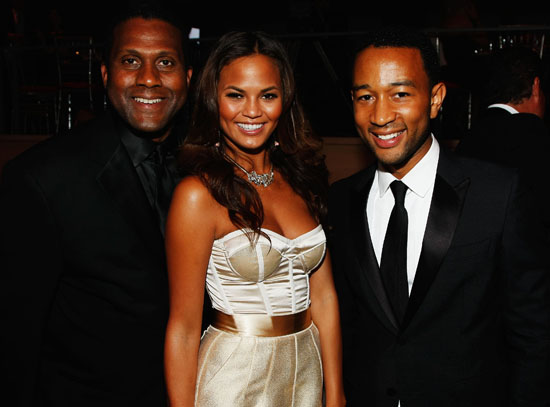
236 95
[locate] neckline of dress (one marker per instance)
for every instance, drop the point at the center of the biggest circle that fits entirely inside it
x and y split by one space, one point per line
271 233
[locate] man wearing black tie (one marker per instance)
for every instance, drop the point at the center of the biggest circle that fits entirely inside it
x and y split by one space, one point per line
437 259
84 285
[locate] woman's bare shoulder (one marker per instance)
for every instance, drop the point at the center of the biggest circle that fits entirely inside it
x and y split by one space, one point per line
192 195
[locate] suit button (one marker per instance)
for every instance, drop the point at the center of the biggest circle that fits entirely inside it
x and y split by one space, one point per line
391 392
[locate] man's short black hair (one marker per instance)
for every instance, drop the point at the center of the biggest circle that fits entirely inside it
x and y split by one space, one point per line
147 10
509 75
398 36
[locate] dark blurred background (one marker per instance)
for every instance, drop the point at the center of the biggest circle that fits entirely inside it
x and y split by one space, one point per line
51 52
285 16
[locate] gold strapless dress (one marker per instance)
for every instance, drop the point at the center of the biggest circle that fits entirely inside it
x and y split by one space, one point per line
263 349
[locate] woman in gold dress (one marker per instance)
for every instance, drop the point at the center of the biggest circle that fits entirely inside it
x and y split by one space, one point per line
247 223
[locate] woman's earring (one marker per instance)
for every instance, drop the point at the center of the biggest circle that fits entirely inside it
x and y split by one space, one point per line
276 143
218 144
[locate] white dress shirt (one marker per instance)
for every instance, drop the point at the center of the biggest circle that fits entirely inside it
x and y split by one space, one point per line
420 181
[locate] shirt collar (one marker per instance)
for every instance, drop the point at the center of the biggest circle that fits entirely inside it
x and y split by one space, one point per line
420 178
138 148
508 108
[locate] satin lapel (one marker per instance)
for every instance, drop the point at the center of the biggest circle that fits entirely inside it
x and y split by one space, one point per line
120 180
445 209
369 273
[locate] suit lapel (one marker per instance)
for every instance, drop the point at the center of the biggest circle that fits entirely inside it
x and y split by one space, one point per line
448 197
369 272
119 180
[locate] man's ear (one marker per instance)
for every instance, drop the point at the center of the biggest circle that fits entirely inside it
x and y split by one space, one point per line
537 99
189 75
439 91
535 87
104 74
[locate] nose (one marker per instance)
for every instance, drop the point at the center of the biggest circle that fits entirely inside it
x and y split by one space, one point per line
382 112
252 108
148 76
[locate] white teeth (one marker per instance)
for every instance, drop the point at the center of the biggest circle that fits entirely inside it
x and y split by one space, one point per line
388 136
148 101
249 127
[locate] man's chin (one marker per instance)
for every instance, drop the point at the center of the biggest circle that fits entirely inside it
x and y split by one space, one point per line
151 131
389 158
393 162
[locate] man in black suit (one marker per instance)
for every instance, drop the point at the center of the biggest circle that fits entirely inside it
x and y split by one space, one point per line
84 286
444 296
512 91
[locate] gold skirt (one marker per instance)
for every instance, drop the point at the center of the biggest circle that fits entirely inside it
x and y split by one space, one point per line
242 370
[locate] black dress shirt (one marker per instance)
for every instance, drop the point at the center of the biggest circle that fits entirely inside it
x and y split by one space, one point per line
142 151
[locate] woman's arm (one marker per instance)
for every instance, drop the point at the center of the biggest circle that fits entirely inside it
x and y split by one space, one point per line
325 315
190 232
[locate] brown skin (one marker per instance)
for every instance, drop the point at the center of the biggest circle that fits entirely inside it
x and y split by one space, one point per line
249 93
147 62
535 103
196 220
391 96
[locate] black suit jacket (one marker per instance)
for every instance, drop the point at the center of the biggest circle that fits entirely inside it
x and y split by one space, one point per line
475 331
84 286
514 140
505 138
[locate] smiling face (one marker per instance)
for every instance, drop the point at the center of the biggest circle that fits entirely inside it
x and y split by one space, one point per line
393 104
250 101
146 79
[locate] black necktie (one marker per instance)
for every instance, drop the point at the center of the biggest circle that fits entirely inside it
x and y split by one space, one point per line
163 184
393 266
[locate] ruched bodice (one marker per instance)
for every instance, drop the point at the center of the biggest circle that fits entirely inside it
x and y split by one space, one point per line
269 277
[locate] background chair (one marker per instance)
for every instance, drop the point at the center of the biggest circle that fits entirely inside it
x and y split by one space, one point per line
33 89
80 90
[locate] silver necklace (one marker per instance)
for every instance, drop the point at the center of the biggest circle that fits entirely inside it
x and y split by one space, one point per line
264 180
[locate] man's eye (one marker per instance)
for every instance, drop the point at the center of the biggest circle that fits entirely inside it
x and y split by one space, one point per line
129 61
402 94
166 62
364 97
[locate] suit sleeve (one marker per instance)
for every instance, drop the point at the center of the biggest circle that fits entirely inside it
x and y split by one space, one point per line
524 257
31 268
336 237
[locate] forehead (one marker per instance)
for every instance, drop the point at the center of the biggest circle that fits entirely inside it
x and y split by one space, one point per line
147 35
253 68
389 65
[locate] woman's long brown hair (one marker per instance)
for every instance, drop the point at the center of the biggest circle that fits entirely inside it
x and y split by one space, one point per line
297 157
